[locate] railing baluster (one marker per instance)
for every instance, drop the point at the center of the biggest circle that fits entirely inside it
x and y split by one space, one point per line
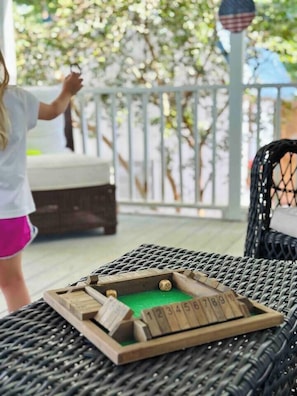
258 117
197 171
146 143
162 146
98 124
214 137
130 149
277 130
114 138
179 134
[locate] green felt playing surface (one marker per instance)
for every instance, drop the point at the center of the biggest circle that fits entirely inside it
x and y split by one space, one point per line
152 298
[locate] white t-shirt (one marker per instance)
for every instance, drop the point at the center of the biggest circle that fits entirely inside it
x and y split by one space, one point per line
15 196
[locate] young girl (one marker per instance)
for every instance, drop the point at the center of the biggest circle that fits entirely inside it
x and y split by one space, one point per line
19 111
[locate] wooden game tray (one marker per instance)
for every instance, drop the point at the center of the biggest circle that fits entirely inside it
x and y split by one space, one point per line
212 312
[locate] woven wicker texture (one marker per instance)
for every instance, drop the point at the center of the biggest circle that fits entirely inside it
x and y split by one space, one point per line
41 354
273 183
75 209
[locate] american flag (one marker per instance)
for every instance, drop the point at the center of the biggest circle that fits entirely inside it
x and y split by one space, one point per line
236 15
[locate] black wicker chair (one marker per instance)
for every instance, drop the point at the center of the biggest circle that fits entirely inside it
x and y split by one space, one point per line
273 183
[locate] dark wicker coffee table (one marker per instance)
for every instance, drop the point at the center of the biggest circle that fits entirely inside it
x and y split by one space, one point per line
42 354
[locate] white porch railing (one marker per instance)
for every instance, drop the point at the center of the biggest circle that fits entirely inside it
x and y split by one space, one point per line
170 146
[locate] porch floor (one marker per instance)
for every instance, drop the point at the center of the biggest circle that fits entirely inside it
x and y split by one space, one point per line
56 261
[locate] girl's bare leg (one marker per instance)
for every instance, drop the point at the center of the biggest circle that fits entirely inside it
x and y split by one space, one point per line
12 283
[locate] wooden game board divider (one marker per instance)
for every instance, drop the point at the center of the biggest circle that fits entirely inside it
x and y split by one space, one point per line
197 283
101 298
141 331
135 284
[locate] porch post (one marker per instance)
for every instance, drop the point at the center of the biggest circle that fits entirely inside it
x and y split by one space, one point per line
233 211
7 43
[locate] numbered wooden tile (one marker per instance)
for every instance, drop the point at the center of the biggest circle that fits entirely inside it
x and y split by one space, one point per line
226 307
199 312
216 306
180 315
211 317
162 320
171 318
190 314
149 318
231 298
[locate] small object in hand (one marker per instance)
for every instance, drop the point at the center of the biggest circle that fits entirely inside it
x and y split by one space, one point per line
75 68
165 285
111 293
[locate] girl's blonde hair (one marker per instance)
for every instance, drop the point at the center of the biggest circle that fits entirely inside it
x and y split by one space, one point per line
4 121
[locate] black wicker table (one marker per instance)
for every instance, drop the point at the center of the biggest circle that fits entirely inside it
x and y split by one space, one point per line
42 354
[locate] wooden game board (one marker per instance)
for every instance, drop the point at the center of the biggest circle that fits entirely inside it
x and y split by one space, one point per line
211 312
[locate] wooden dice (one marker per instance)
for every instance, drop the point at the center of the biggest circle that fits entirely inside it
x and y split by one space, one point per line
112 293
165 285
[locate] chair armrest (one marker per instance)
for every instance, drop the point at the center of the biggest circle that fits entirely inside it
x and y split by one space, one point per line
263 188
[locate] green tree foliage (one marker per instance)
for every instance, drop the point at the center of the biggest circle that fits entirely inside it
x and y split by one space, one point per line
275 28
136 42
127 42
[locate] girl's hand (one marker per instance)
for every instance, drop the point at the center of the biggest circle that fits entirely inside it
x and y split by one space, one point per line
73 83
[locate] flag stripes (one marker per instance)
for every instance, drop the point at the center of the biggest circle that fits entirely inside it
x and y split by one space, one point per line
236 23
236 15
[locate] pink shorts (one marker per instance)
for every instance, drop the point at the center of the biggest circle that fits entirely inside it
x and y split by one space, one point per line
15 235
